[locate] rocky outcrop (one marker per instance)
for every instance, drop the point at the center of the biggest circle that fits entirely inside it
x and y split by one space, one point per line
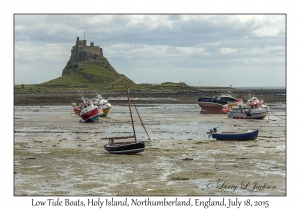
82 54
78 59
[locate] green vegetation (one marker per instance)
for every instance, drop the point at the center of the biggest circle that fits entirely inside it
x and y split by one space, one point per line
90 74
92 77
59 193
84 87
174 84
22 152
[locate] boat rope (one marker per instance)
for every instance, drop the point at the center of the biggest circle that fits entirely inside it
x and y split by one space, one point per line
277 115
139 117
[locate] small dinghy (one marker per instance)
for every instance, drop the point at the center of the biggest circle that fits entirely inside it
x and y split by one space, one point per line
248 135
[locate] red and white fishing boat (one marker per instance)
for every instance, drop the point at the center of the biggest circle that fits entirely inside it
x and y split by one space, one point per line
87 110
97 101
90 112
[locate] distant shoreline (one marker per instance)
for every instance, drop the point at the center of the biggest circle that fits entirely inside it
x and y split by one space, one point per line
184 95
195 86
267 87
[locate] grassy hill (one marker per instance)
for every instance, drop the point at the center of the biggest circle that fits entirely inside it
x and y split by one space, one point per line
92 77
90 74
174 84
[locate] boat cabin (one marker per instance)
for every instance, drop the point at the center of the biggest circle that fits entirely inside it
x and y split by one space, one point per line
87 107
223 99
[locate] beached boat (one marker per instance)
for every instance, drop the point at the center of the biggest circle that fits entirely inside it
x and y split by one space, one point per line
215 105
117 146
124 147
249 113
248 135
102 103
89 112
254 109
97 101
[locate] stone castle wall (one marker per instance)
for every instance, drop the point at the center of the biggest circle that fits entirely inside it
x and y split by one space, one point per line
82 47
95 50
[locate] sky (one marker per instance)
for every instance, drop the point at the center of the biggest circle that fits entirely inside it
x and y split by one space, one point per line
198 49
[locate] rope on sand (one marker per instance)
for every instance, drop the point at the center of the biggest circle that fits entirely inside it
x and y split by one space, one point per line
277 115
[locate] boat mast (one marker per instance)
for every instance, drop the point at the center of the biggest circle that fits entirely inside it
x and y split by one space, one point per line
130 113
80 92
139 116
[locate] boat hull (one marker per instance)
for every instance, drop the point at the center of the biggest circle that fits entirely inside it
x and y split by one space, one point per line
105 112
236 136
125 147
211 108
247 115
92 116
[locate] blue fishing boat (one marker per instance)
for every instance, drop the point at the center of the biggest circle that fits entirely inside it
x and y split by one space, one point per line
248 135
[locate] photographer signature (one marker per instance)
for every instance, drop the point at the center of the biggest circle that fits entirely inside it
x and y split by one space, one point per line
245 185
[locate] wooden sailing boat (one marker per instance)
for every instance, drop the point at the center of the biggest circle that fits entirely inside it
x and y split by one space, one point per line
118 147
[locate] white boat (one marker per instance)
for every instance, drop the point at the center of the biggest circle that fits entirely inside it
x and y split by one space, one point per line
102 103
248 113
254 109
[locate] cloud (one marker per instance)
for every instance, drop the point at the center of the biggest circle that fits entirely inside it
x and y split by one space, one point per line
225 51
141 43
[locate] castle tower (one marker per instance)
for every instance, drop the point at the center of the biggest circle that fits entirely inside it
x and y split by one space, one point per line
77 42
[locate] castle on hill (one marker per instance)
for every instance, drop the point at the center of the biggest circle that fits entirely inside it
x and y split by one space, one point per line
81 46
82 54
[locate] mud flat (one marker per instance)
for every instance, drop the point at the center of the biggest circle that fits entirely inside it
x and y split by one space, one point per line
56 154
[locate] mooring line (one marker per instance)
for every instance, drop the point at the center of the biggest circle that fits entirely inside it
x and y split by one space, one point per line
277 115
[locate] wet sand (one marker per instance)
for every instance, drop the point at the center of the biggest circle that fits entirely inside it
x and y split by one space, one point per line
56 154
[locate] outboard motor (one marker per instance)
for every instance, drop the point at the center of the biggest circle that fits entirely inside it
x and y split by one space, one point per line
214 130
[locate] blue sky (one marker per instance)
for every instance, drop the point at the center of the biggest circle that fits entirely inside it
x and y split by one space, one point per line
198 49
